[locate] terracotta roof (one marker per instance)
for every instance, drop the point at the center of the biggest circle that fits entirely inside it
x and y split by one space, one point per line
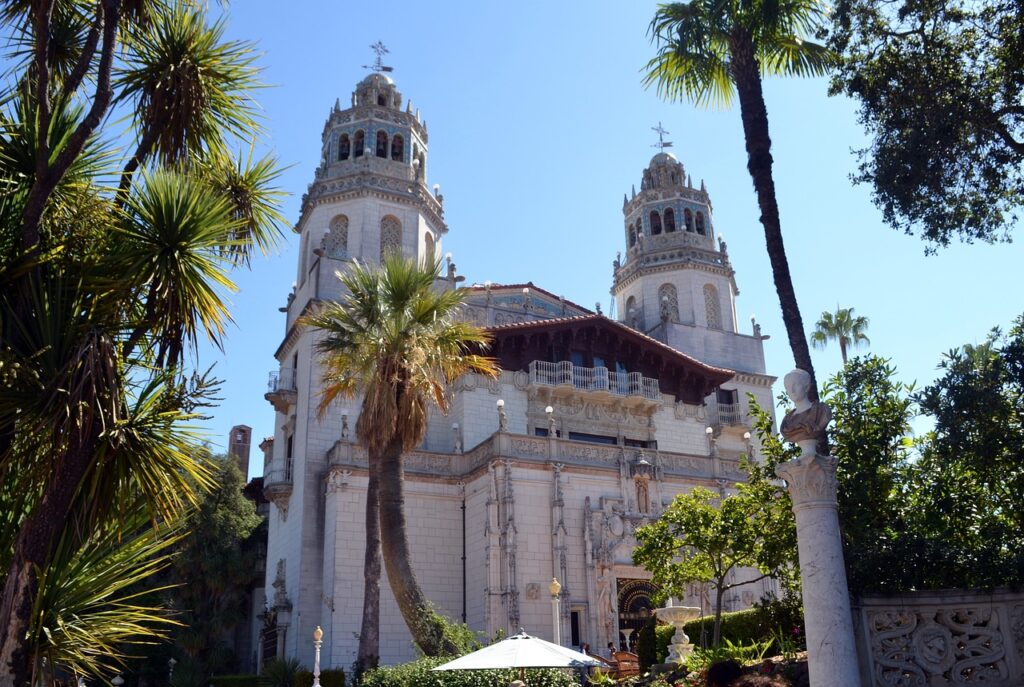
533 287
629 330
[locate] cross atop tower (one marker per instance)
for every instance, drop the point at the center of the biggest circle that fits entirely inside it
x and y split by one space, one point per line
378 64
662 143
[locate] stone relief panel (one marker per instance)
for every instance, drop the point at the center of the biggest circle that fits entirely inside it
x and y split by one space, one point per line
335 243
964 641
712 306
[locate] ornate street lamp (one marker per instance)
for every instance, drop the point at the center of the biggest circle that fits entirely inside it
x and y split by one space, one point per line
318 636
555 588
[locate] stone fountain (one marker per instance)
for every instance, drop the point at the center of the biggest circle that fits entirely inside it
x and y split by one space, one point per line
680 647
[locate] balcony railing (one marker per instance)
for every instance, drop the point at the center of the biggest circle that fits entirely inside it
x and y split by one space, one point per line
728 415
277 476
594 379
281 380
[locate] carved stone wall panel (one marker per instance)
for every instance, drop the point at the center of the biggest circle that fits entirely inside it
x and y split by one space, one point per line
943 638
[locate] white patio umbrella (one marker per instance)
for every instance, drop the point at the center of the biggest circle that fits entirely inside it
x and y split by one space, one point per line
521 651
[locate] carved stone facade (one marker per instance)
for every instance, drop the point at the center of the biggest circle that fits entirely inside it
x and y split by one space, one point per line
942 638
504 494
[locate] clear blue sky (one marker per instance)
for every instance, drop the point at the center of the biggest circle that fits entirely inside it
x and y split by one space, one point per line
539 123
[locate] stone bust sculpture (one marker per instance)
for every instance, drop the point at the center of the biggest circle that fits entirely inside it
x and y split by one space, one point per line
808 419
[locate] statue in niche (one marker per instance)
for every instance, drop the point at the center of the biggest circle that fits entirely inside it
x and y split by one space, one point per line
808 419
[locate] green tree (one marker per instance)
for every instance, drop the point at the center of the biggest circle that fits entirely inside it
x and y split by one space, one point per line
711 50
395 340
871 440
969 480
938 84
842 327
105 291
213 570
703 538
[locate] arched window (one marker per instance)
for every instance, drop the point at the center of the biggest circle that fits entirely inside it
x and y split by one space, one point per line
358 143
398 148
344 147
382 100
390 236
382 144
632 235
688 219
712 306
700 223
670 220
335 243
632 314
428 250
655 223
668 302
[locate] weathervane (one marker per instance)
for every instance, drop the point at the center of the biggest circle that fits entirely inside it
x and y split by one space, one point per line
378 64
662 143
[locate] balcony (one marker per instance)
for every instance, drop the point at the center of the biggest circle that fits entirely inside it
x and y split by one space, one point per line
281 391
727 415
594 380
277 488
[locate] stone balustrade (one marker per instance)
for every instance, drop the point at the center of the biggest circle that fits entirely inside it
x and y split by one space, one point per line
950 637
543 450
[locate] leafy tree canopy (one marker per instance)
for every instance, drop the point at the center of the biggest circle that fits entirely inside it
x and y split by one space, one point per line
938 84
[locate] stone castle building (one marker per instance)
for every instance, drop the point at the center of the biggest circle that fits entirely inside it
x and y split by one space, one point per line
593 426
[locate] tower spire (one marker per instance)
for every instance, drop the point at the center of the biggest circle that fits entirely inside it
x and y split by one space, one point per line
662 143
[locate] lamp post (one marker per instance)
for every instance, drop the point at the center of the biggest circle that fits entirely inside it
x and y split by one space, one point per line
551 421
555 588
318 636
502 418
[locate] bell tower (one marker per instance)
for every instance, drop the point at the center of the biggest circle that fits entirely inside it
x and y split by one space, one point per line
370 194
676 282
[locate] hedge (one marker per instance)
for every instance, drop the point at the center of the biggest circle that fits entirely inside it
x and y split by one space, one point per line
419 674
332 677
235 681
758 624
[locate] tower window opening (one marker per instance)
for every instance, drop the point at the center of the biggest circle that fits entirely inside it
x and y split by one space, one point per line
382 144
670 220
712 306
700 224
688 220
390 236
655 223
358 144
344 147
632 235
428 250
398 148
382 100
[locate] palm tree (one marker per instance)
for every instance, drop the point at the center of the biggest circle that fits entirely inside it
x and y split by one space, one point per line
397 341
103 293
842 327
711 50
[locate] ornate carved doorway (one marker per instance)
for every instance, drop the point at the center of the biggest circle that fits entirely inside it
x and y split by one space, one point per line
634 609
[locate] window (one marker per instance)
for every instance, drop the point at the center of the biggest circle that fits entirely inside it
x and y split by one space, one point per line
382 144
688 219
700 223
335 243
390 236
577 358
289 445
358 143
344 147
632 236
670 220
728 396
712 306
655 223
428 250
574 627
382 100
592 438
668 300
397 148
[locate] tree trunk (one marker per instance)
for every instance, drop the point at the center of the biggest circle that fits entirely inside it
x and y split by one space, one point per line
37 537
842 348
719 592
746 74
369 631
422 620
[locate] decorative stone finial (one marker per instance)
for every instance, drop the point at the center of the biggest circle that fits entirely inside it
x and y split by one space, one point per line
808 419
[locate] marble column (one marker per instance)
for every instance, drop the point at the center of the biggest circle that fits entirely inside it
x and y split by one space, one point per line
831 652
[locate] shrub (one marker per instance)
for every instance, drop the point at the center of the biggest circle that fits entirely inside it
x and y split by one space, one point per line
281 672
332 677
234 681
754 626
652 642
418 674
663 637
